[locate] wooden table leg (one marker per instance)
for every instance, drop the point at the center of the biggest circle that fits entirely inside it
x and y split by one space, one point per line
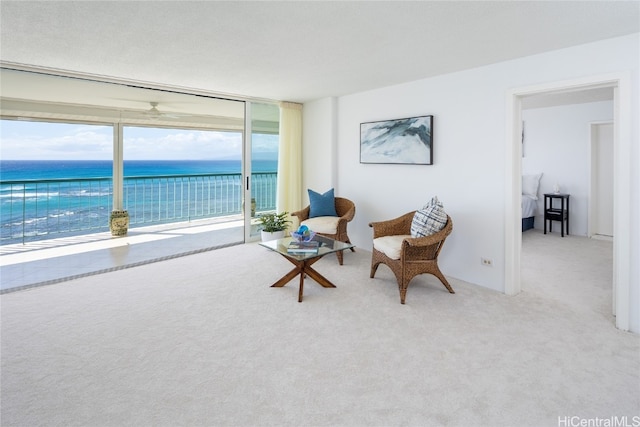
287 277
322 281
303 268
301 286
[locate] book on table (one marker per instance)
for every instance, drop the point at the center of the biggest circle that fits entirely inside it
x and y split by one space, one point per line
303 247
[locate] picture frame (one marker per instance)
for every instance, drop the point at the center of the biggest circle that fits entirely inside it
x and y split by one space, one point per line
397 141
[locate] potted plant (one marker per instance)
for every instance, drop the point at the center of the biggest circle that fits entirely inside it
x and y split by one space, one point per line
119 222
273 225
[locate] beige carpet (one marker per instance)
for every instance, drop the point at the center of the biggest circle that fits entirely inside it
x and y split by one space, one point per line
204 341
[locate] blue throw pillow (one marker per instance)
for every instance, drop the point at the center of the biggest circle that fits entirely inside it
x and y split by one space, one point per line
322 204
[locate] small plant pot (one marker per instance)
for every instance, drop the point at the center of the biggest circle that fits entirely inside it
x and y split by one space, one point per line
266 235
119 223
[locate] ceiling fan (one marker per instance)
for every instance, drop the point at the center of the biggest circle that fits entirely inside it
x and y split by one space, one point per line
155 113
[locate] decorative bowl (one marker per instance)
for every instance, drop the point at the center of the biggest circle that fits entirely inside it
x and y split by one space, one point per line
303 237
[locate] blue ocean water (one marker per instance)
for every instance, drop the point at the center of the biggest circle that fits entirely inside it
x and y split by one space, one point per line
19 170
39 209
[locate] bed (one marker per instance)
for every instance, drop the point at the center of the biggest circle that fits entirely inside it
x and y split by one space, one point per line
529 205
530 184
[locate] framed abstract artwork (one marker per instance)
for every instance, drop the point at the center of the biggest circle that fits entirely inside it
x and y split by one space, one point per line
399 141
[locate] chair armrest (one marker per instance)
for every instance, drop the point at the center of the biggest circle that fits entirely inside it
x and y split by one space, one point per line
432 239
392 227
344 219
302 214
424 241
348 215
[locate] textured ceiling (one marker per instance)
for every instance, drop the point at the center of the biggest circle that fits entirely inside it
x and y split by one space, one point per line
295 51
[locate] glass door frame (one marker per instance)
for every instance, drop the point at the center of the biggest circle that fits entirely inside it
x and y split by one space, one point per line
261 120
246 175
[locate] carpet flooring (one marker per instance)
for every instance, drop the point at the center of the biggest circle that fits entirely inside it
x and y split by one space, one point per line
203 340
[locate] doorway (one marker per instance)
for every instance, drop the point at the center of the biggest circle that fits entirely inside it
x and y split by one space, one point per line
620 82
573 270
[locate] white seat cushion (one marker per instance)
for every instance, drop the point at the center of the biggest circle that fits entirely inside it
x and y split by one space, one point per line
322 224
390 245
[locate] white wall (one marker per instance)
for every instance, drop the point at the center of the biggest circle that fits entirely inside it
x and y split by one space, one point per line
468 175
318 158
557 143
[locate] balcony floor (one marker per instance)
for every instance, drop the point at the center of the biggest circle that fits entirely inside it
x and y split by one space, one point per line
54 260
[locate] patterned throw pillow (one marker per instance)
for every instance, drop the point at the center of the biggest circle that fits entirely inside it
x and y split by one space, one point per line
429 220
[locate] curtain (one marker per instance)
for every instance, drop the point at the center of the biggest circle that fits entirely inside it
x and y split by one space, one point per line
289 192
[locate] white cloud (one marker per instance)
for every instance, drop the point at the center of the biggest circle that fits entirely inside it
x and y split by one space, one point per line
182 145
26 140
22 140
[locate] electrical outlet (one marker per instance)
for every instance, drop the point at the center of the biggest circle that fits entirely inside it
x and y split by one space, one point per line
486 262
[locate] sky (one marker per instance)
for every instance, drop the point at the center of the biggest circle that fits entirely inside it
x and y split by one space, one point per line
28 140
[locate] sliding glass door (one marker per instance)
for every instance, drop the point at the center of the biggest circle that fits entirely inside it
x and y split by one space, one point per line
179 159
183 177
54 179
260 164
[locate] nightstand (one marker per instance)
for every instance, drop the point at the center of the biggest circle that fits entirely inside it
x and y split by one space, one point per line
553 212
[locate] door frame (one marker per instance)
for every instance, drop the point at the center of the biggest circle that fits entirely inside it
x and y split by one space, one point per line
592 201
621 82
246 173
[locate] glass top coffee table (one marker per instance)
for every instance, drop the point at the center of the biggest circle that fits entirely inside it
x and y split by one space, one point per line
303 261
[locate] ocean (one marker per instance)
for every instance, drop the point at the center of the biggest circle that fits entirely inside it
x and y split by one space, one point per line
19 170
38 210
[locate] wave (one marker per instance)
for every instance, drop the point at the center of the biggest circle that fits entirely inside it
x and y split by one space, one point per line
30 195
33 220
86 193
12 188
29 221
63 214
37 196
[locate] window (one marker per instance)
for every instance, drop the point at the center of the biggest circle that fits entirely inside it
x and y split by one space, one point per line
56 178
175 174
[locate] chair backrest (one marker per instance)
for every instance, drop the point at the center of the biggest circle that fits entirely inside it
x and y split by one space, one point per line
343 206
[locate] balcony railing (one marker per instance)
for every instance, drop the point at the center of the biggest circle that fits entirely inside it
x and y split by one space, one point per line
41 209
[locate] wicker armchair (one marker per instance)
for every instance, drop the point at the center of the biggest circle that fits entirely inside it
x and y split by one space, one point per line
416 255
346 210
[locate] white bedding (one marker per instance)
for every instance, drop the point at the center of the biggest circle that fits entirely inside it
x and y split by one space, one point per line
528 206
